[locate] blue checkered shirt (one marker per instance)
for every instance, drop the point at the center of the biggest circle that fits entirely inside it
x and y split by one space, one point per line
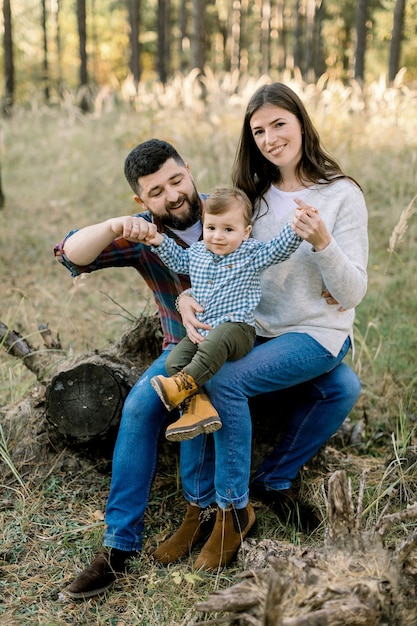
227 286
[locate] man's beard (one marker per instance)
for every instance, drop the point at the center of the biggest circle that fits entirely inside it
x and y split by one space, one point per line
182 223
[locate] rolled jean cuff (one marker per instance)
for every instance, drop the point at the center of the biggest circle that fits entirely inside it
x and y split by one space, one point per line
110 541
236 503
203 501
275 485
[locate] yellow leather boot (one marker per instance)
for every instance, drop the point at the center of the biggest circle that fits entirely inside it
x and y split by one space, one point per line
174 389
198 416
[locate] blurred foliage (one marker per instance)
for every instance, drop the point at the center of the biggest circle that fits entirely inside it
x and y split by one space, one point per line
108 42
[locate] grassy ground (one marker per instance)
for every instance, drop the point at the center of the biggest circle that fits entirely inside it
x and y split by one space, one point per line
62 170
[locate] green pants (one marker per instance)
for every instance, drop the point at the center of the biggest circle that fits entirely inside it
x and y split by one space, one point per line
229 341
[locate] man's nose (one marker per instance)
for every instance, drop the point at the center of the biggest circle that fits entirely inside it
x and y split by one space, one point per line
172 195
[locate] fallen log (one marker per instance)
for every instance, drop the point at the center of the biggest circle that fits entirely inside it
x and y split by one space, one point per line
350 580
77 401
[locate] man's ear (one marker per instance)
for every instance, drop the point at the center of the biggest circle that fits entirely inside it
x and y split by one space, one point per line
187 167
138 200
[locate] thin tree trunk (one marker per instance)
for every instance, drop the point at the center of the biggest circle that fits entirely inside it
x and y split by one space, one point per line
310 21
245 37
281 50
361 31
2 198
319 61
396 40
235 36
8 98
134 23
198 42
82 35
298 44
265 36
45 64
164 44
184 39
56 9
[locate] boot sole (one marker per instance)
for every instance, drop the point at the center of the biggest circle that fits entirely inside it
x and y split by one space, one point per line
207 426
162 396
81 595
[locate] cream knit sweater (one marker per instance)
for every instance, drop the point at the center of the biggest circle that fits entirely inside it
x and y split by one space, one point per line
291 292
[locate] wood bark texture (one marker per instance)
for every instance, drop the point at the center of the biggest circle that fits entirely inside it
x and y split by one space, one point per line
350 580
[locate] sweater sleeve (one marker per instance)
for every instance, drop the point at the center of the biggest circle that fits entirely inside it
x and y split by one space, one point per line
343 262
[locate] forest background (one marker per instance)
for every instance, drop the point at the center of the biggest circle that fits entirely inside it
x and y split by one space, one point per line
50 47
68 123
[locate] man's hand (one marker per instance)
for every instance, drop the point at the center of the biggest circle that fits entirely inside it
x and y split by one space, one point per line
188 307
136 229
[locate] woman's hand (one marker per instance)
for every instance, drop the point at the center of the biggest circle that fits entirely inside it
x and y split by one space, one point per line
308 224
188 307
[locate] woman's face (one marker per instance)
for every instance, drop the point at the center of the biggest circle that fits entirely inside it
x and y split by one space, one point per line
278 135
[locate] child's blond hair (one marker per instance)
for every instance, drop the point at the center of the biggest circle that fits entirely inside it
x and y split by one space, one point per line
221 198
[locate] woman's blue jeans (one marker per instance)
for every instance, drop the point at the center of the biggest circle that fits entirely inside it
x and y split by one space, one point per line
274 365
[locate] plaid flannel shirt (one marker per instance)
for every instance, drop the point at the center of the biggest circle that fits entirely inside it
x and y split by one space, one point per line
164 283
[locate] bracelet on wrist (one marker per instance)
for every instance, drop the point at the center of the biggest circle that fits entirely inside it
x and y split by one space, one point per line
187 292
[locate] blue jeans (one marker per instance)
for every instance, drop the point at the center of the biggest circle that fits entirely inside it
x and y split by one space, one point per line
135 460
274 365
320 407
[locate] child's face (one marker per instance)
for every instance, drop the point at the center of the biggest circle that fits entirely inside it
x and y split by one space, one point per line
225 232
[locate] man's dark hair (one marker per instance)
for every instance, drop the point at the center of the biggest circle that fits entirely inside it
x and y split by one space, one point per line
147 158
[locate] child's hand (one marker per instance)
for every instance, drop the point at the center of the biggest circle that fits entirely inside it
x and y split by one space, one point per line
154 240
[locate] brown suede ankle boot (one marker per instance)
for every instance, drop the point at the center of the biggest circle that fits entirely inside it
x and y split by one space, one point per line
231 527
198 416
100 575
195 528
175 389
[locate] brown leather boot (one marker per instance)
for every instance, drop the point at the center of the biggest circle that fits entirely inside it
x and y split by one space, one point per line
195 528
100 575
198 416
175 389
230 529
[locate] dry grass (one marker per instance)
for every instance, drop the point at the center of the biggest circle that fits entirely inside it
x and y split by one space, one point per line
63 170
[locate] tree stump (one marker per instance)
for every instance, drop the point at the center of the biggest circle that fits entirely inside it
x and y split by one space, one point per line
78 401
85 402
351 580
